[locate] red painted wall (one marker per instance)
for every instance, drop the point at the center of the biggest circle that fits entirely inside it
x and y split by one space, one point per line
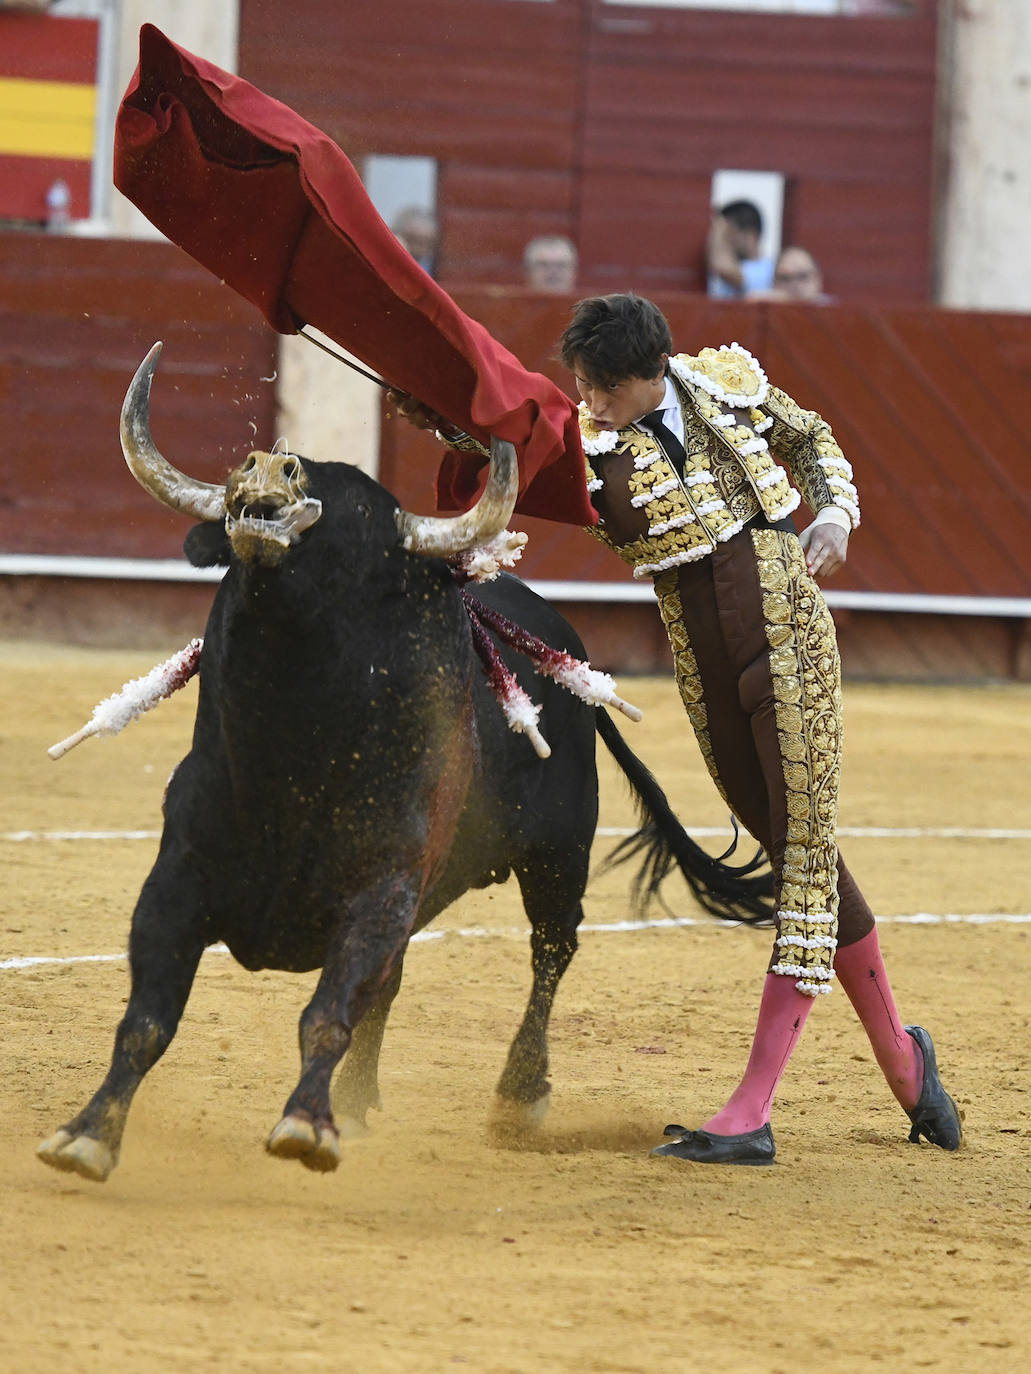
606 123
76 318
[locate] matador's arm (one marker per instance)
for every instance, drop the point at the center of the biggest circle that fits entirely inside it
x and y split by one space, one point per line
803 440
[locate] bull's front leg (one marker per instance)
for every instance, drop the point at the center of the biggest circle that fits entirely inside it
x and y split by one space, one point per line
356 1088
165 946
362 963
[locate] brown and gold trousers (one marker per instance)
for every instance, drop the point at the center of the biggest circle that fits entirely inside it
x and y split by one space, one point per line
757 666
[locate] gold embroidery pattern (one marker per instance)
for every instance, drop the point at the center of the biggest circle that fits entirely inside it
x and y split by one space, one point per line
667 589
728 477
819 469
730 471
807 689
680 528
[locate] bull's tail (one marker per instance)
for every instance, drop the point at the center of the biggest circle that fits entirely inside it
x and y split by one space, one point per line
736 892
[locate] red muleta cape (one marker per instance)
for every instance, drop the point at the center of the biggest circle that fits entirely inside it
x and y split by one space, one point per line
273 207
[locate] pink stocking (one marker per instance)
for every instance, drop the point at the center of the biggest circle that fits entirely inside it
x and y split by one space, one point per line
782 1014
860 971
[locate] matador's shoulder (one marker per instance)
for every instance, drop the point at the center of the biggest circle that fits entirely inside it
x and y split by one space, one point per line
730 374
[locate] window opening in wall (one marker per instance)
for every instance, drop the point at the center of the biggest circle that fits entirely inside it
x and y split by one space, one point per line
404 191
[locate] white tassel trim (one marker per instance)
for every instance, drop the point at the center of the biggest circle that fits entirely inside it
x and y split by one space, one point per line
677 523
822 975
603 441
842 463
789 505
662 489
842 485
811 918
849 506
812 989
673 561
595 484
730 531
752 446
728 398
771 478
800 942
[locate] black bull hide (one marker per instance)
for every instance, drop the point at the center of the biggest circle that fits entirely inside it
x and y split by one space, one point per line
350 776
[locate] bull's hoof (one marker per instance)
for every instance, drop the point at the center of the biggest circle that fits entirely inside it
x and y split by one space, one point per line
77 1154
297 1138
510 1121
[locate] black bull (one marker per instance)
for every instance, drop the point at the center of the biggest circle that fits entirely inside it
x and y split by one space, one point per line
350 776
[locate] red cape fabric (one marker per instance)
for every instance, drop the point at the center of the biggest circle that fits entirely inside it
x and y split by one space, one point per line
273 207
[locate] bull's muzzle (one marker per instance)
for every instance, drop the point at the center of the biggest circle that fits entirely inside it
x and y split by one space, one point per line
267 505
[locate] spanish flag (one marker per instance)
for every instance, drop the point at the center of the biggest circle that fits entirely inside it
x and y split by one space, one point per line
48 99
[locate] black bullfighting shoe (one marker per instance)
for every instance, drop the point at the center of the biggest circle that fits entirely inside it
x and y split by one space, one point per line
705 1147
935 1116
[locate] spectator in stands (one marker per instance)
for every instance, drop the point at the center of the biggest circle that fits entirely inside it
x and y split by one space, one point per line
797 277
733 260
550 264
417 229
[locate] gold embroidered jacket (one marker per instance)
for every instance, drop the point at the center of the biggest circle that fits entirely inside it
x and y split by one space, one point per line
733 470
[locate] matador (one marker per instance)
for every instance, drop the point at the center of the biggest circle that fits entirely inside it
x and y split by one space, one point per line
688 464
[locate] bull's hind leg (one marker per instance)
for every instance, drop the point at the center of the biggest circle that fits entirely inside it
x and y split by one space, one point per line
165 947
360 965
523 1088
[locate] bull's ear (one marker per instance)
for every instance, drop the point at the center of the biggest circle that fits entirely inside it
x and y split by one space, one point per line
207 545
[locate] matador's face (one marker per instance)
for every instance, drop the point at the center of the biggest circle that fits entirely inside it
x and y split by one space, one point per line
615 403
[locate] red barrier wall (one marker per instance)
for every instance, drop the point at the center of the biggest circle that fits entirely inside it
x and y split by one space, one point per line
927 403
76 318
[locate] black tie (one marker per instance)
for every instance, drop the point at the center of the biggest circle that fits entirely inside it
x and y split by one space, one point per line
671 445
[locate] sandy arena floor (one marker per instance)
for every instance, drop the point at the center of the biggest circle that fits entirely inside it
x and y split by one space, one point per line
433 1247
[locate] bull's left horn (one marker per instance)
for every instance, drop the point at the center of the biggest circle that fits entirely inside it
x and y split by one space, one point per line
200 500
439 536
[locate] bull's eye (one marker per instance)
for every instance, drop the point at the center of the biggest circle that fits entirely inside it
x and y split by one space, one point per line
292 470
248 465
364 511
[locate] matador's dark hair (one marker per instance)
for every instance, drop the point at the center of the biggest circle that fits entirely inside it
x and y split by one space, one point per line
612 337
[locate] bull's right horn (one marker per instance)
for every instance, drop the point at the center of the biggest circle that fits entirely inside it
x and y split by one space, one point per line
200 500
439 536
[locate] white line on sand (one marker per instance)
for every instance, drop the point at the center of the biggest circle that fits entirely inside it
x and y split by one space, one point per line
920 918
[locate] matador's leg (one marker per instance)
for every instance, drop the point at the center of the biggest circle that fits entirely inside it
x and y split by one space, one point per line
757 666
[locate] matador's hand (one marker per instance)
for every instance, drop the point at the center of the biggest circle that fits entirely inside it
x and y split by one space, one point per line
415 412
825 547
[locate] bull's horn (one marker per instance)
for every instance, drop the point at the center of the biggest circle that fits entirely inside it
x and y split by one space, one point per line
439 536
201 500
